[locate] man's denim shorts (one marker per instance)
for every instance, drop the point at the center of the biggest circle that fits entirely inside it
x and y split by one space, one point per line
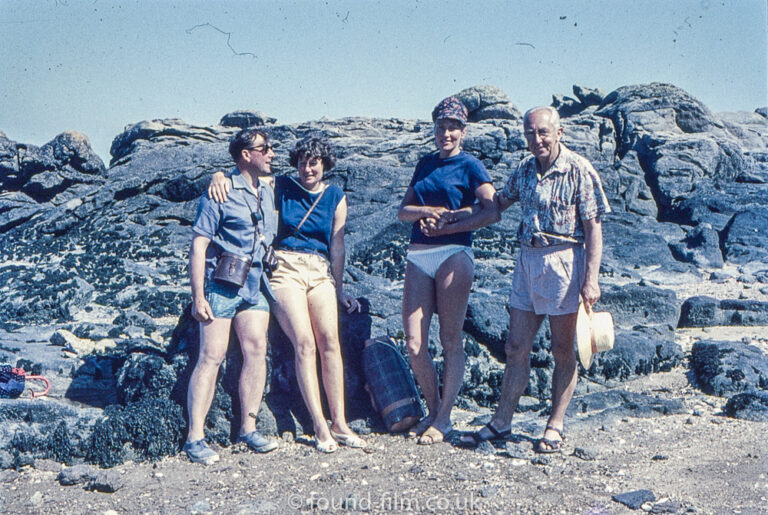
226 303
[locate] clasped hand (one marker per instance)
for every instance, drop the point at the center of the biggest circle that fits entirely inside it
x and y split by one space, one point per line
434 224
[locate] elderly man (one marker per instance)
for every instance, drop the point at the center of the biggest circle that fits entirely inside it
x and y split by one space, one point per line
562 203
228 237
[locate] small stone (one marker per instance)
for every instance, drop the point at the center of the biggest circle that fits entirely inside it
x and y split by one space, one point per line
201 506
717 421
460 476
584 454
488 491
485 448
416 469
517 451
634 500
540 460
689 421
107 481
351 502
36 499
660 457
666 507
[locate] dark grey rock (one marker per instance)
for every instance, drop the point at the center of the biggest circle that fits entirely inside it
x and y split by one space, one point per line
585 454
489 491
116 239
540 460
623 403
637 353
245 119
751 405
701 247
515 450
745 238
145 376
107 481
588 96
566 106
79 474
705 311
634 500
725 368
634 304
667 507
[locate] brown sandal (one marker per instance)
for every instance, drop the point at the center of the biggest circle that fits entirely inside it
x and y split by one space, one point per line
553 446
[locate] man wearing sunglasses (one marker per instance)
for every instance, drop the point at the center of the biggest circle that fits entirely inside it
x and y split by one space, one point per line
229 288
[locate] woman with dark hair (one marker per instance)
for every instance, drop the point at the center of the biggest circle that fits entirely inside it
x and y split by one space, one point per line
308 283
440 263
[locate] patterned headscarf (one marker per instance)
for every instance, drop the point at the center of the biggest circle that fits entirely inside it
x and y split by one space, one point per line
452 108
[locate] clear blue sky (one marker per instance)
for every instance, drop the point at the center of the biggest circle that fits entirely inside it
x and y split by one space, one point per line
95 66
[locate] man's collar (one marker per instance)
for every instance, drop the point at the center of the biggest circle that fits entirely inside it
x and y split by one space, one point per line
558 165
239 182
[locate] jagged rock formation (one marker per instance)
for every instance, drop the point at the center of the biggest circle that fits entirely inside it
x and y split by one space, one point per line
102 253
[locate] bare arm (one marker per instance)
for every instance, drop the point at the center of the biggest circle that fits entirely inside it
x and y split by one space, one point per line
482 215
593 244
201 310
220 186
410 212
338 255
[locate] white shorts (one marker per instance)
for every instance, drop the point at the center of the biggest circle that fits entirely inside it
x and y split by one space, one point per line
429 260
548 280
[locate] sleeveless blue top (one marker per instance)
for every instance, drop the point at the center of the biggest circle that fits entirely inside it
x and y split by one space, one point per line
292 202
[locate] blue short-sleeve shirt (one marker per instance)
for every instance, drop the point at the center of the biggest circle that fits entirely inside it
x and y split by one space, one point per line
230 227
450 183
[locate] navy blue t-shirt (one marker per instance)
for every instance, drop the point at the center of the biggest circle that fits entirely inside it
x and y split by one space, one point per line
293 201
450 183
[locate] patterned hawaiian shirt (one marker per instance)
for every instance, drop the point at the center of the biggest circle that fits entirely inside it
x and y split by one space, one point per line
555 204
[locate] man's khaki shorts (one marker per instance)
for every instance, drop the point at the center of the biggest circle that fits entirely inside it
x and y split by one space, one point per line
300 270
548 280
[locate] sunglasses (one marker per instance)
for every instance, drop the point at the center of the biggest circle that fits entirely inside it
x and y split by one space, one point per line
262 149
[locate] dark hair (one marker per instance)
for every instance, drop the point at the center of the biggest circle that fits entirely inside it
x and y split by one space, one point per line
244 139
313 146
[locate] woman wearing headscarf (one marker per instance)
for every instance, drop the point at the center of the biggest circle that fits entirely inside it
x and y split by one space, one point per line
440 264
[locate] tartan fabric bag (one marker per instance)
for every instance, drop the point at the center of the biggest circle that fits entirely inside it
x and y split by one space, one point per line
390 385
13 380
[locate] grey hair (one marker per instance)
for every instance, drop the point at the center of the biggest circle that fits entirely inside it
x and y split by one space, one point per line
554 116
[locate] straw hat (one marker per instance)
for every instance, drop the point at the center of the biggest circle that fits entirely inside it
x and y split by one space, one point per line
593 334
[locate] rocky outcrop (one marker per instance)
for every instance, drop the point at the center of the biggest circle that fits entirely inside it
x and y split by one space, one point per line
102 254
726 368
488 103
705 311
244 119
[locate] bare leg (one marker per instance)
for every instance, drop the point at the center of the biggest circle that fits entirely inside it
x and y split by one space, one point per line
323 313
292 311
565 375
214 339
251 327
418 307
523 326
452 283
